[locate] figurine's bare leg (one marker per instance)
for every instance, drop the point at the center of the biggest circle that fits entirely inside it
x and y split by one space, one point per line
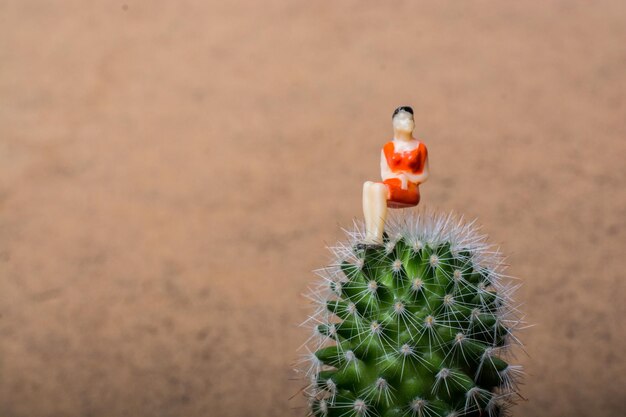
367 212
374 210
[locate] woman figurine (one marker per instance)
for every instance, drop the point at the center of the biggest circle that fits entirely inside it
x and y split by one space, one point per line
403 167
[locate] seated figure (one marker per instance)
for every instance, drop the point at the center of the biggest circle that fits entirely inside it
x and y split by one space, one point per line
403 167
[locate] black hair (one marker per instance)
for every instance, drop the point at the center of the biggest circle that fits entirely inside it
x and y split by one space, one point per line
407 109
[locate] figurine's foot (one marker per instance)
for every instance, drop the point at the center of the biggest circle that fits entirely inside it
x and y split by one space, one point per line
364 245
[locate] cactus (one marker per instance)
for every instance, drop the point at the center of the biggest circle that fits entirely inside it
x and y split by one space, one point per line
418 327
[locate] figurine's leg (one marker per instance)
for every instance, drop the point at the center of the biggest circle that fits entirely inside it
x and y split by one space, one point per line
374 210
367 208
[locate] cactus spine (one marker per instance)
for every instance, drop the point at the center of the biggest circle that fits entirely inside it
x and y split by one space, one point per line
419 327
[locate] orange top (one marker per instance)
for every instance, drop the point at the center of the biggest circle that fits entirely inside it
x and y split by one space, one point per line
413 162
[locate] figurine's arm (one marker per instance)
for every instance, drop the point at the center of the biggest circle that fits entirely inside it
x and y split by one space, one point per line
386 172
420 178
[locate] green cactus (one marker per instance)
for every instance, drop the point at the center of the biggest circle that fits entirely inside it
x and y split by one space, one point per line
418 327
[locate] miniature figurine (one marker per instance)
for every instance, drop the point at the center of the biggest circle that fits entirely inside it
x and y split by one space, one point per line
403 167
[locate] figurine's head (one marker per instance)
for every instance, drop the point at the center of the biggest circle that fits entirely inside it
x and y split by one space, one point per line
402 119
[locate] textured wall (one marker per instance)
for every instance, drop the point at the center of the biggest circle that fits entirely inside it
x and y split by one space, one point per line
170 172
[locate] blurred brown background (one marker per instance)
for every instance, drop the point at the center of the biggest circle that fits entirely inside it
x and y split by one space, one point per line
170 172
